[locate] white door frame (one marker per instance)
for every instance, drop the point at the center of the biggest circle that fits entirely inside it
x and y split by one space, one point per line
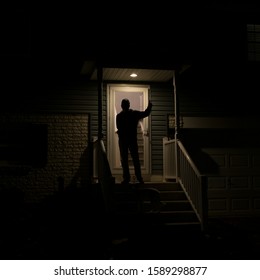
112 143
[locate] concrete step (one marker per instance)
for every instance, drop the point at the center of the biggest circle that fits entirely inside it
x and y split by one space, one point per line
178 227
173 216
172 195
163 216
173 205
146 193
161 186
134 203
132 192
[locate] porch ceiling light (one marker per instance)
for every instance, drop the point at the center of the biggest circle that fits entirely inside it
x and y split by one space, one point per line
133 75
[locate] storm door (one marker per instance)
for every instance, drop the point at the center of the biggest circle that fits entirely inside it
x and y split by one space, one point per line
138 97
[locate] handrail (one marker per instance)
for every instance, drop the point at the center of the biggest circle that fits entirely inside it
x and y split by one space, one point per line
193 183
187 156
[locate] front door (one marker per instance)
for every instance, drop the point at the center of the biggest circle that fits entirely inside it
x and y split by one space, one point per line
138 97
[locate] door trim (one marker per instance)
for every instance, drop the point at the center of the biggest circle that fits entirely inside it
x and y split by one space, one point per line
112 144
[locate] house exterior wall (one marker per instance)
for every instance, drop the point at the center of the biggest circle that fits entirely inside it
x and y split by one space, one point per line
67 113
70 117
63 116
220 128
230 160
163 100
65 151
235 188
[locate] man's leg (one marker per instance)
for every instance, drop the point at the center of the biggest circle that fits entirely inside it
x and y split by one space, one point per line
133 147
124 161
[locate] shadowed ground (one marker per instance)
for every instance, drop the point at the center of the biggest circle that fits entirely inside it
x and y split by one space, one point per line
66 227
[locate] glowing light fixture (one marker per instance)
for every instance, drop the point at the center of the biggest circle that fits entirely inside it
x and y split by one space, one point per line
133 75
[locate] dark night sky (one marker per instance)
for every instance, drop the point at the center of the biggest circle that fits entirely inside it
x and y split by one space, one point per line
54 41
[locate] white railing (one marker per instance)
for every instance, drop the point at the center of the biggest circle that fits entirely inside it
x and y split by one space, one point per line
189 177
169 170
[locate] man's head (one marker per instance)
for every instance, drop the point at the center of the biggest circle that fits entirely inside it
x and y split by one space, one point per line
125 104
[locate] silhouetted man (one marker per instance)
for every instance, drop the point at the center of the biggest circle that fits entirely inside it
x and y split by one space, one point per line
127 123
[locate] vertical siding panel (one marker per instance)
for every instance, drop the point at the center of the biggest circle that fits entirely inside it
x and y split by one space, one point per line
77 98
162 99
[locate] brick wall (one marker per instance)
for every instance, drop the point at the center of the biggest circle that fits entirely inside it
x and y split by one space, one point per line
67 157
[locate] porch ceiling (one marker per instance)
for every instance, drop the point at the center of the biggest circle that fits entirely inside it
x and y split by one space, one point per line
143 75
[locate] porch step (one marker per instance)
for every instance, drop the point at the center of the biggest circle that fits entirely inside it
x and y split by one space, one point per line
169 205
164 195
169 217
172 205
162 186
136 204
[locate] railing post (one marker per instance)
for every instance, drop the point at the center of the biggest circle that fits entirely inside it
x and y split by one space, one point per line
204 197
176 127
100 104
90 146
